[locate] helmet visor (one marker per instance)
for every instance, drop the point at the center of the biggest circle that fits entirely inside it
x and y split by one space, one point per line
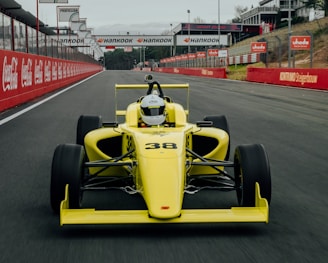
153 111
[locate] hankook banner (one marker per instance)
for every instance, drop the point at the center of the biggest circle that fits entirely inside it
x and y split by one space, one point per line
202 40
75 41
181 40
130 40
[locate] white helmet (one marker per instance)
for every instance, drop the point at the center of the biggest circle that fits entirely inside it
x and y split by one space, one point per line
152 110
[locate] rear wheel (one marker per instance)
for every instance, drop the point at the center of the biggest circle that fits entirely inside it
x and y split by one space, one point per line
251 166
221 122
67 168
86 124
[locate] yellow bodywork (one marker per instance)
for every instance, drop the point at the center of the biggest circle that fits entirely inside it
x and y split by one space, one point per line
259 213
160 171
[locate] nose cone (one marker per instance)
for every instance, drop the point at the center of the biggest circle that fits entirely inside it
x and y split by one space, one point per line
163 182
161 165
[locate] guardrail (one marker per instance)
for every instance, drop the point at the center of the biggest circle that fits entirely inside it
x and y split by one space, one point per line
202 72
303 78
27 76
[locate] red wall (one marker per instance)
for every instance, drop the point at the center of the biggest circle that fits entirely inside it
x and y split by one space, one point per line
26 76
305 78
203 72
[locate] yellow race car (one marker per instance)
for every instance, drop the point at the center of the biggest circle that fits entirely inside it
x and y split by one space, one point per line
156 153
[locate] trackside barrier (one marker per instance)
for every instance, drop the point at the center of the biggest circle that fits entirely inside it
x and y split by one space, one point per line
27 76
202 72
305 78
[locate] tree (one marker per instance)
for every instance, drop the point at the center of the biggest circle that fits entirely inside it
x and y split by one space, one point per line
121 60
199 20
317 4
118 59
238 11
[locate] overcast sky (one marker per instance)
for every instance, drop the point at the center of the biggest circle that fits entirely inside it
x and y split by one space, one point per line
140 16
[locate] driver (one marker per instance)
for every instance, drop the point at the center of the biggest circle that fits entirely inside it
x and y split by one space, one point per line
152 110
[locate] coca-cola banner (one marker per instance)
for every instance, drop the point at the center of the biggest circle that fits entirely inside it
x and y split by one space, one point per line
26 76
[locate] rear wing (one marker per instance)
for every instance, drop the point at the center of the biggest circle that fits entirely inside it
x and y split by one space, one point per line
122 112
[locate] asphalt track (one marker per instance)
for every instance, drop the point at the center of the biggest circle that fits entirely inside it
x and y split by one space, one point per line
291 123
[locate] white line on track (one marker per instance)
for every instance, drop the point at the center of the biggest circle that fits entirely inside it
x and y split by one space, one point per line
17 114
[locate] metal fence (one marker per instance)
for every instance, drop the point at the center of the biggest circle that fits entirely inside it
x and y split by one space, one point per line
278 42
19 37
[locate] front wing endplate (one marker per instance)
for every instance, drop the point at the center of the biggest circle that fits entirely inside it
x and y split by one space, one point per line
259 213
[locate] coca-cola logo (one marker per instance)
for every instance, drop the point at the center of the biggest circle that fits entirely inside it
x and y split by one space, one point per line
54 70
10 74
38 72
64 70
47 71
68 70
60 70
27 73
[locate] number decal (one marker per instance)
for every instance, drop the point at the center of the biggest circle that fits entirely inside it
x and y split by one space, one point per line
152 146
169 145
165 145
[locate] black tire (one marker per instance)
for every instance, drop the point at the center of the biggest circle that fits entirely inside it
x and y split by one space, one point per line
221 122
86 124
67 168
251 166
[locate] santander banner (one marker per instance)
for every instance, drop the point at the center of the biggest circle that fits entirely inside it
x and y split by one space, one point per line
25 76
258 47
300 42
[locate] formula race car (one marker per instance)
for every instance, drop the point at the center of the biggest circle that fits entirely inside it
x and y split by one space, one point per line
157 154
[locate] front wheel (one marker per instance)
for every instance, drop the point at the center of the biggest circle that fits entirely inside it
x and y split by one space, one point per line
251 165
67 168
86 124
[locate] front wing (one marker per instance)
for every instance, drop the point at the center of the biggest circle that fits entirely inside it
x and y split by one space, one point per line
259 213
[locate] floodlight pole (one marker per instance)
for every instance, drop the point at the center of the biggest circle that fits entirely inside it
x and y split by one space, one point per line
289 32
188 11
219 29
171 51
57 16
37 26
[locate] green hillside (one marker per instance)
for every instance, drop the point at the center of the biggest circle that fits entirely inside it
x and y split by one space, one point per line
278 48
